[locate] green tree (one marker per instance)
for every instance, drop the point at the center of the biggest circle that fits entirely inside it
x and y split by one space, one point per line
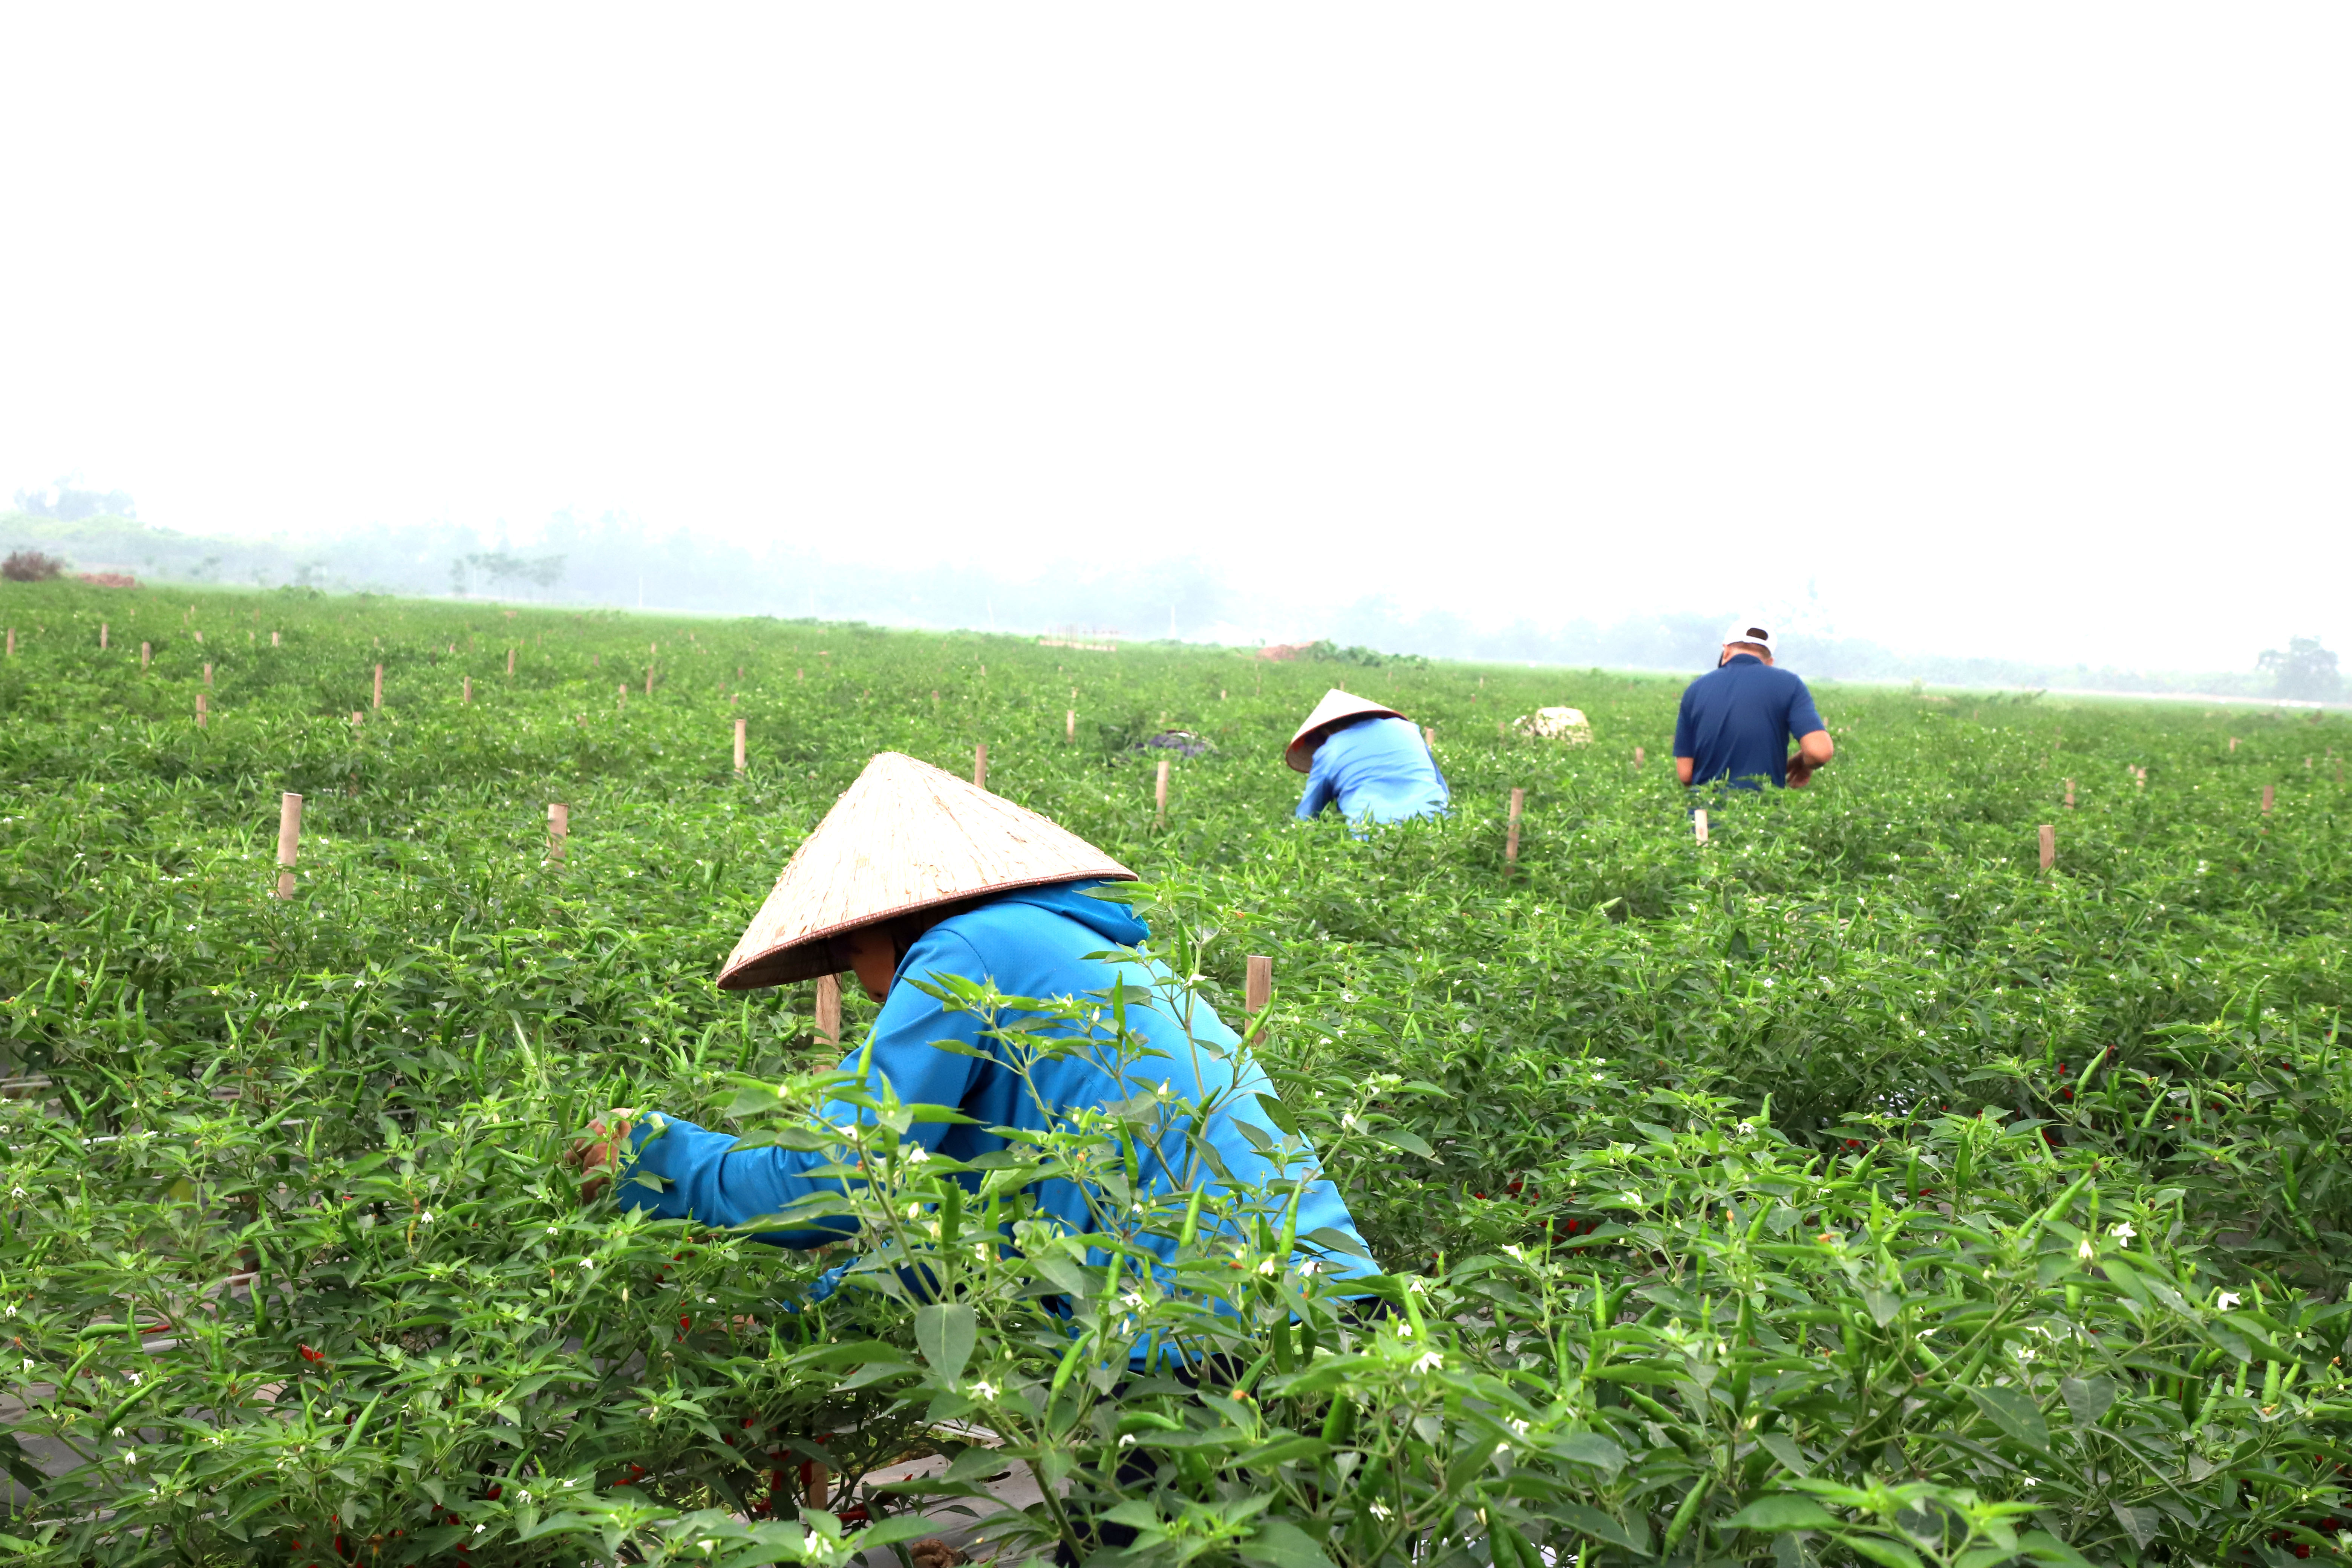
2306 670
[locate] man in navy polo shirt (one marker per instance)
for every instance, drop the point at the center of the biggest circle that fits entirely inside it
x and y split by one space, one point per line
1737 720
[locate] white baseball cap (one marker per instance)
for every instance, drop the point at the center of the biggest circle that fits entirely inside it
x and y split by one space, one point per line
1748 631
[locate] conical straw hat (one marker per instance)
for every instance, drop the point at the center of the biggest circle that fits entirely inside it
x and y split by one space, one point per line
1336 705
905 837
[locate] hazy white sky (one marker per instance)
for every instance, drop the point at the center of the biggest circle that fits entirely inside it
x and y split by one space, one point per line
2018 327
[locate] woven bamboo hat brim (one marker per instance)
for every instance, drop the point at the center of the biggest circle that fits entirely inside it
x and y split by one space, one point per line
904 837
1337 705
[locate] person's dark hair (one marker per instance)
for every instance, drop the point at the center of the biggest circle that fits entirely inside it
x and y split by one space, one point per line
904 930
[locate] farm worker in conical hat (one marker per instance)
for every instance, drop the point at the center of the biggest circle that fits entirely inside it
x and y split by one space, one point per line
1738 719
1368 760
917 876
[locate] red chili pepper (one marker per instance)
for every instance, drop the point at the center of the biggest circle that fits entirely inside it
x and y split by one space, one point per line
684 1322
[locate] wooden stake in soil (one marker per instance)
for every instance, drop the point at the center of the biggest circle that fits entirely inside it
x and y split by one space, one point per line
12 642
979 765
273 639
208 675
559 822
1698 827
1637 756
1429 737
2233 742
1511 836
510 661
102 637
1069 726
2268 794
379 686
1159 793
468 695
200 709
146 653
2070 795
2049 846
828 1008
357 718
1259 988
740 725
289 841
649 681
622 702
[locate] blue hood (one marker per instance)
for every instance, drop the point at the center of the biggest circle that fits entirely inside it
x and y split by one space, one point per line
1115 923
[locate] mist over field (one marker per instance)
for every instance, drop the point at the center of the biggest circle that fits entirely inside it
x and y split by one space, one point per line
619 563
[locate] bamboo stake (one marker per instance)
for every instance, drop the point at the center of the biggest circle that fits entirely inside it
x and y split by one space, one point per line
379 686
289 841
200 709
1259 990
1069 726
740 724
828 1008
1511 838
273 639
979 765
1160 793
12 642
2268 794
145 655
1698 825
2049 846
649 681
1637 756
208 675
357 718
102 637
558 824
1429 737
734 699
622 702
2070 795
469 694
2233 742
510 661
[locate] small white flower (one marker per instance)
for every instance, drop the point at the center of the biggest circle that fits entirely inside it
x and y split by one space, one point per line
424 1218
2226 1301
1431 1361
2123 1231
479 1528
1268 1267
130 1456
551 1230
917 1153
587 1263
1634 1199
981 1389
1128 1441
2032 1480
2087 1250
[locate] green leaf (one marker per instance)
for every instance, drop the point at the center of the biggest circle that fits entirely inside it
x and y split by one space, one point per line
1592 1522
945 1333
1879 1550
1589 1448
2087 1399
1783 1510
1283 1451
2043 1547
2140 1523
1783 1447
1885 1308
2014 1414
1410 1142
1281 1544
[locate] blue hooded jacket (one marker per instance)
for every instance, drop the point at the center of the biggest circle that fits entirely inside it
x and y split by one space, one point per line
1377 769
1030 941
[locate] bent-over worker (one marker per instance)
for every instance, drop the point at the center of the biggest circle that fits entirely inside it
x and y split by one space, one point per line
1737 720
915 874
1369 760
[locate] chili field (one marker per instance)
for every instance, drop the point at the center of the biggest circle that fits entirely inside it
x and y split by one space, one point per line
1849 1188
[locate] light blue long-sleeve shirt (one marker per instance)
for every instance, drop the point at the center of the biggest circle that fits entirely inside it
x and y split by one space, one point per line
1375 769
1033 943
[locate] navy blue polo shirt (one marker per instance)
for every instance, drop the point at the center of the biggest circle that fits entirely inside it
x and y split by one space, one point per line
1737 722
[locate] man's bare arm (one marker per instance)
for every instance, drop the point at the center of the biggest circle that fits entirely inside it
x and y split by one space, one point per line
1684 766
1812 750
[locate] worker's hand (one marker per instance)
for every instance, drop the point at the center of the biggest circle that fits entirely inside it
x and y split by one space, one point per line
1801 772
597 1153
